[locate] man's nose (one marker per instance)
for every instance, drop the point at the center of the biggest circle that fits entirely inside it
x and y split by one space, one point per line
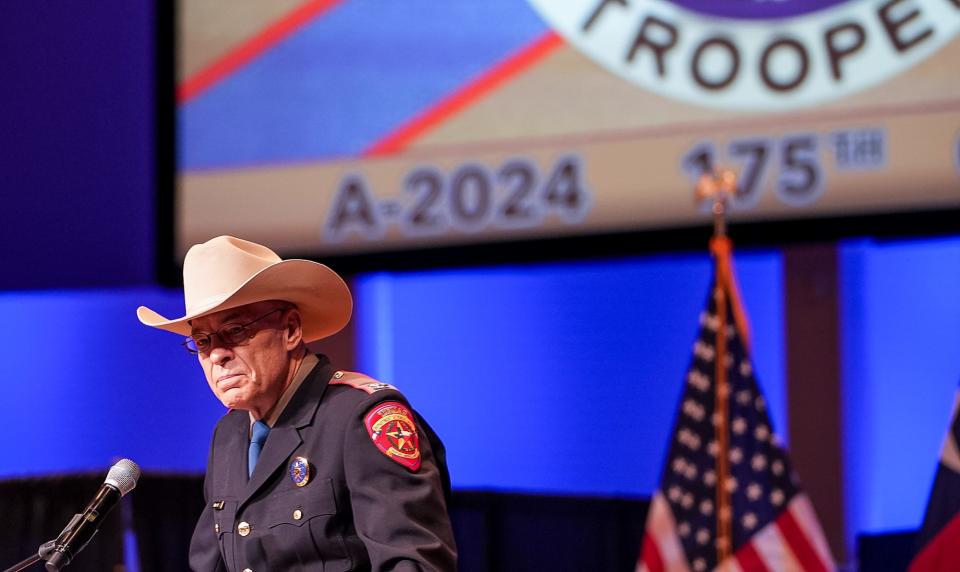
220 353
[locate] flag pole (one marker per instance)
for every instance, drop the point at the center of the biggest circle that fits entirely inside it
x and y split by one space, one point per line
717 187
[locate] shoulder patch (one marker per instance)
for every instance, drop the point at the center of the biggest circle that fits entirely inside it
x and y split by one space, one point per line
359 381
391 427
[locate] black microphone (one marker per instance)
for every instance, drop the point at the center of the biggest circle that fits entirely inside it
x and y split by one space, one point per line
120 480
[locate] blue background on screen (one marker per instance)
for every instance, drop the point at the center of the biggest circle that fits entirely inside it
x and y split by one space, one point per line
290 105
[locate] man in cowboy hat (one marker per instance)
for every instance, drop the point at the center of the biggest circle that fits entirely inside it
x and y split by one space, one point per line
311 468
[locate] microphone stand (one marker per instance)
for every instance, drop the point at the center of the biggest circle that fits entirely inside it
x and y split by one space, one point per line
42 554
24 564
45 551
58 553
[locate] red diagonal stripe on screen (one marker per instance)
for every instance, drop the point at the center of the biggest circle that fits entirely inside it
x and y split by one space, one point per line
244 53
446 108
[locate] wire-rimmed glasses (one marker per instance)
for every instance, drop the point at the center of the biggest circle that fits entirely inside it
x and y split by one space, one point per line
230 335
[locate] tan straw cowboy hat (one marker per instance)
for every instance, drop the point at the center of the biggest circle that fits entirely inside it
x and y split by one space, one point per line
226 272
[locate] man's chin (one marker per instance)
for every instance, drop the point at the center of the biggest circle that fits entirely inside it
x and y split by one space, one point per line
231 401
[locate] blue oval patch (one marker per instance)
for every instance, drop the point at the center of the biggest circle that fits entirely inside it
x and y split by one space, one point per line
300 471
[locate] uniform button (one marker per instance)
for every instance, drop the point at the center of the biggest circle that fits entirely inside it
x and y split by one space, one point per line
216 528
247 570
297 515
243 528
338 375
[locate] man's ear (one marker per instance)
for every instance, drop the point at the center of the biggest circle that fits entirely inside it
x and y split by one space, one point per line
292 329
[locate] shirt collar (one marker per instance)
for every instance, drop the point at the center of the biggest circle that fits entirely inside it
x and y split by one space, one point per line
306 366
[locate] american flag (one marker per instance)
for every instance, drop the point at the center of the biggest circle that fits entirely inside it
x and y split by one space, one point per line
772 522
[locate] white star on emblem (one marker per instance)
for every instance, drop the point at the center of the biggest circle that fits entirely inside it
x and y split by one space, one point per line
761 432
712 448
743 396
736 455
760 403
683 529
674 494
709 478
776 497
731 484
703 351
703 536
777 467
698 380
709 321
699 565
693 410
758 462
754 491
687 501
706 507
739 426
691 472
688 438
745 369
749 521
679 465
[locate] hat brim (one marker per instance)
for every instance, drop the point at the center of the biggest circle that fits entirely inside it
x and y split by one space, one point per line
321 296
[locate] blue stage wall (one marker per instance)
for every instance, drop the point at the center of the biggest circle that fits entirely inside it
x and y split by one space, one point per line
558 378
85 383
901 365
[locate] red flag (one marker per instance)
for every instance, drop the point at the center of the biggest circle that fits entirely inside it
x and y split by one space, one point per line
939 537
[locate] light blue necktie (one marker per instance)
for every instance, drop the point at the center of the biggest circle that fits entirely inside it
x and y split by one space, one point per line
257 439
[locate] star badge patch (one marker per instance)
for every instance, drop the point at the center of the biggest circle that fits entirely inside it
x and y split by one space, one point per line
390 425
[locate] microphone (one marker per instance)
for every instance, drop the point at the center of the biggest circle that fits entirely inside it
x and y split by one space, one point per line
121 479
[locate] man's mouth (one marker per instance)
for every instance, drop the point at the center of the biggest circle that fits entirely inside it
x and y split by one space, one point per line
227 381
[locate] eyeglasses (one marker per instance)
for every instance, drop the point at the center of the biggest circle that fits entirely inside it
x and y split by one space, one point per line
229 334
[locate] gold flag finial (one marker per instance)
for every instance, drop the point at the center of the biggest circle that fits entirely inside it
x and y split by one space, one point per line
717 187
